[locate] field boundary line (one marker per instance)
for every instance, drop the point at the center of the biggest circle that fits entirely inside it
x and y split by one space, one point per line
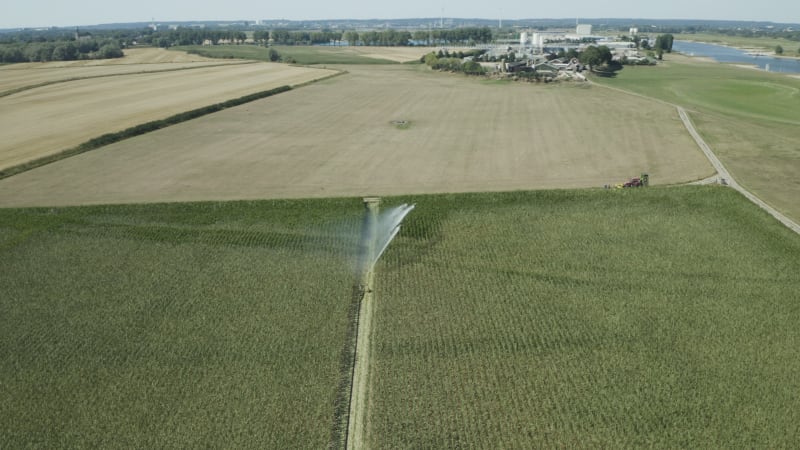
726 176
92 77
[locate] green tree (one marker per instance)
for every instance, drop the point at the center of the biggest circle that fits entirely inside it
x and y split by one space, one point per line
431 59
274 55
473 68
664 42
65 51
596 56
778 50
109 50
351 37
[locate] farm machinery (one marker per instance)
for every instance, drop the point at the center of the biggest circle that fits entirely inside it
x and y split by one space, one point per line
641 181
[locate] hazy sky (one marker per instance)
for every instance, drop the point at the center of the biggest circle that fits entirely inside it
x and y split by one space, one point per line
41 13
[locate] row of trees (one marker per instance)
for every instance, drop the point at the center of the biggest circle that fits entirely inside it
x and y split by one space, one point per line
287 37
191 36
466 36
393 38
785 34
59 51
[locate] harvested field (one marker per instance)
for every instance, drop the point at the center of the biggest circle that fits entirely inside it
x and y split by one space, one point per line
52 118
14 76
337 138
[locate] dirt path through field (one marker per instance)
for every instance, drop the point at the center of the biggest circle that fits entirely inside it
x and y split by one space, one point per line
726 176
722 172
359 399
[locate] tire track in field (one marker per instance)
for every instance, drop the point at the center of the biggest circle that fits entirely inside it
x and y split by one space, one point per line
726 176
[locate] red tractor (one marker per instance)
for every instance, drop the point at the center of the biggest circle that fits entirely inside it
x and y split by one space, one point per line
642 181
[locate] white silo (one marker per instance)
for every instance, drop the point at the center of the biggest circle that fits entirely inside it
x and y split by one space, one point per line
523 39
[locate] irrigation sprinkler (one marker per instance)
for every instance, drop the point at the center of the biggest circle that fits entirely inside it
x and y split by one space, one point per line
379 230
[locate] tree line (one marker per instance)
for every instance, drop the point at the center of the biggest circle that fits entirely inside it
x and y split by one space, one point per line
67 50
391 38
191 36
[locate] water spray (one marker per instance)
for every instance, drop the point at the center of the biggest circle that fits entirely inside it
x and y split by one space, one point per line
379 230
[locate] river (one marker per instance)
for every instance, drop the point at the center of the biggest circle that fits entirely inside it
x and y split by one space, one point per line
725 54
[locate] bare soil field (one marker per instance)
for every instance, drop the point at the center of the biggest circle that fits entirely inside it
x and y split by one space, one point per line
52 118
15 76
345 137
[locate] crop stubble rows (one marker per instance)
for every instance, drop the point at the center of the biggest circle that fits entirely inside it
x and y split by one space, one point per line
52 118
336 138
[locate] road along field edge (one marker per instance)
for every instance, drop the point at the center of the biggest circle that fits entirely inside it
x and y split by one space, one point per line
715 162
138 130
728 179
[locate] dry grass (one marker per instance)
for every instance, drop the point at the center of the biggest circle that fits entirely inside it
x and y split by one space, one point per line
336 138
52 118
398 54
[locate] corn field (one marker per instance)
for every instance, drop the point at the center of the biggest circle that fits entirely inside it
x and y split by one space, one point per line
611 319
179 325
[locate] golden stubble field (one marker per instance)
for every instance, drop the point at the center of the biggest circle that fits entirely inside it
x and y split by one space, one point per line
336 138
139 60
51 118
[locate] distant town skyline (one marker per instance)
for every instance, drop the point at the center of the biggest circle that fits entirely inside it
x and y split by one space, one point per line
46 13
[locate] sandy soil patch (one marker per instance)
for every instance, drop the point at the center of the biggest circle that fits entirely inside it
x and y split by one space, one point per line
52 118
337 139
